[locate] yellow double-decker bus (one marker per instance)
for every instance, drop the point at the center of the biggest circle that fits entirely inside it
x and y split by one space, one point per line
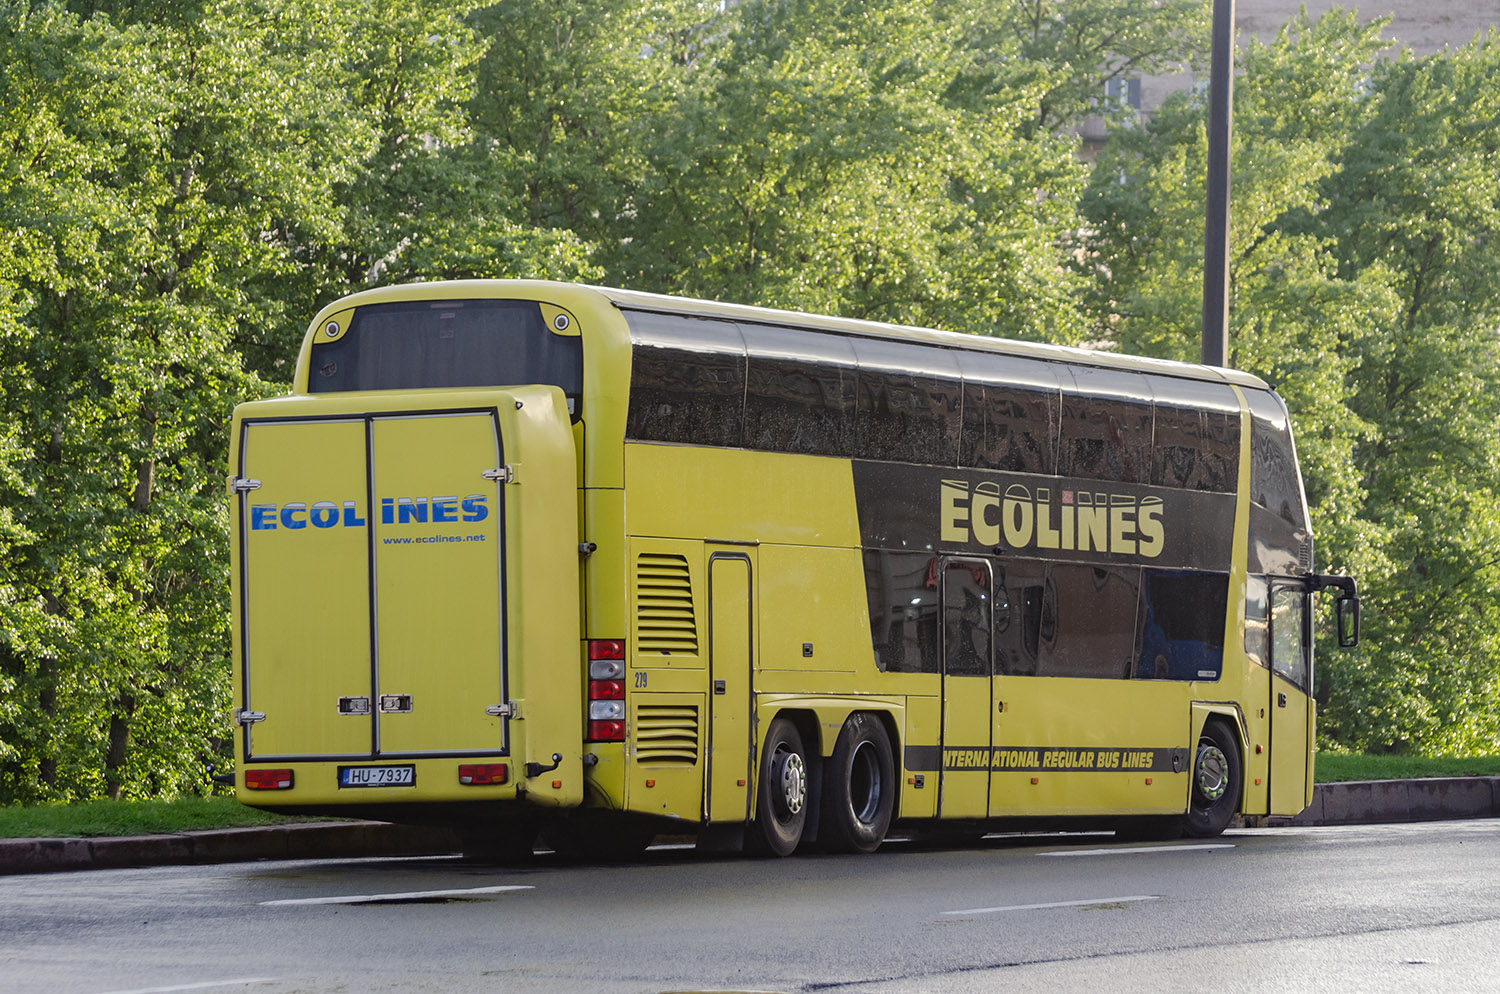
528 557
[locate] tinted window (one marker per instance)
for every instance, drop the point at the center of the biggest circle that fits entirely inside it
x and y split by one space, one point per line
1010 414
1019 589
1182 625
1257 620
1288 634
903 599
1279 537
1197 435
799 391
1274 481
424 344
1088 623
908 402
687 380
1106 426
966 618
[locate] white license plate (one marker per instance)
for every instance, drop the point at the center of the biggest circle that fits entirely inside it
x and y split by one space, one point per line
377 776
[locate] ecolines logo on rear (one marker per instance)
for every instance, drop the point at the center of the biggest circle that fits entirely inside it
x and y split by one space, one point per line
297 515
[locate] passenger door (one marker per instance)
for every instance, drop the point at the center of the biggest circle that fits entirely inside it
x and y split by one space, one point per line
1291 704
967 654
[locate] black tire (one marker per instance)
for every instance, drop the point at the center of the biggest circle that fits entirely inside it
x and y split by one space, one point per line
859 787
1218 780
782 795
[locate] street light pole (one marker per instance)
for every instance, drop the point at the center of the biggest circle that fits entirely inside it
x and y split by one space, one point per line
1216 224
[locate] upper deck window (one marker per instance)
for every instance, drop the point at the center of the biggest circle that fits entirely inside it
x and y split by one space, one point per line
433 344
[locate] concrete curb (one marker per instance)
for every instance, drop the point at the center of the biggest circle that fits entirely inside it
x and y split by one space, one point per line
1372 802
314 840
1362 803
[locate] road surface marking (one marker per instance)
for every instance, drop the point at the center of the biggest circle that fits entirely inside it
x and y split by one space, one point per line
1092 902
1135 849
205 985
415 895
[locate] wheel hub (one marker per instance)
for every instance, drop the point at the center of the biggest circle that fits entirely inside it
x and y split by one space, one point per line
1212 774
793 782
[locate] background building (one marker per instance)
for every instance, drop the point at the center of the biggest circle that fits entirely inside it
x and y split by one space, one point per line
1424 26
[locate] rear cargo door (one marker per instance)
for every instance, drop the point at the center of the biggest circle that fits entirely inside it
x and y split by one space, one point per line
372 588
305 588
437 595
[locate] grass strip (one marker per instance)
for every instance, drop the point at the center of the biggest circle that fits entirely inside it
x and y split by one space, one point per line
90 818
1338 768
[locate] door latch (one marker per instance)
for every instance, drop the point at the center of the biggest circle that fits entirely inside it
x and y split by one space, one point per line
505 474
510 709
242 484
244 716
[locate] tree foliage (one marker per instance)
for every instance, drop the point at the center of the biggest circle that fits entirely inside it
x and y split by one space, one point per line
183 182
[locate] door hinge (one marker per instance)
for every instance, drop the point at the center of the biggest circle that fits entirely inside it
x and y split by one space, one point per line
242 484
510 709
244 716
505 474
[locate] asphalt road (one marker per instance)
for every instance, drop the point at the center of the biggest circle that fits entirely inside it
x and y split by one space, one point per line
1361 908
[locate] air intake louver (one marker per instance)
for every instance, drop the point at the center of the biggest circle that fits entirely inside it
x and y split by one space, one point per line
664 620
666 734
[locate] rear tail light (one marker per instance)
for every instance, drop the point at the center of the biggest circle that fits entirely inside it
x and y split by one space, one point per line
606 690
268 779
606 648
606 731
483 774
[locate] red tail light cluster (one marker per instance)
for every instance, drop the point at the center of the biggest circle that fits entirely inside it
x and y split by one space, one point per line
268 779
483 774
606 690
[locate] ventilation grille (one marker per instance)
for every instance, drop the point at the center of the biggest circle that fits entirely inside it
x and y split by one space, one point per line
664 619
666 734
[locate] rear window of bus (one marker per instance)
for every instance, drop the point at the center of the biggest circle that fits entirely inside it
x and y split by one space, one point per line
427 345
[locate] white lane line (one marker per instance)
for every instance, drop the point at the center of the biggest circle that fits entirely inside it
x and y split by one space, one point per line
1137 849
1093 902
205 985
415 895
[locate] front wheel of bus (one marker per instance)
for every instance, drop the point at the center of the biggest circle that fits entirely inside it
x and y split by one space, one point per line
1217 782
859 787
781 808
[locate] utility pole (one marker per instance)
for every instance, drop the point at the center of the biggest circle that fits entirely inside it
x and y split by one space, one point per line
1216 223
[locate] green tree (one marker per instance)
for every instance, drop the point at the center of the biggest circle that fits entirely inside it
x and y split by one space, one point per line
1416 201
817 160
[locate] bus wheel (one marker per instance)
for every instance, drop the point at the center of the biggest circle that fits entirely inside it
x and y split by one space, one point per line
859 787
781 809
1217 782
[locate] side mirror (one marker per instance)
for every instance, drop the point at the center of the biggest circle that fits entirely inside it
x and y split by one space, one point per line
1347 609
